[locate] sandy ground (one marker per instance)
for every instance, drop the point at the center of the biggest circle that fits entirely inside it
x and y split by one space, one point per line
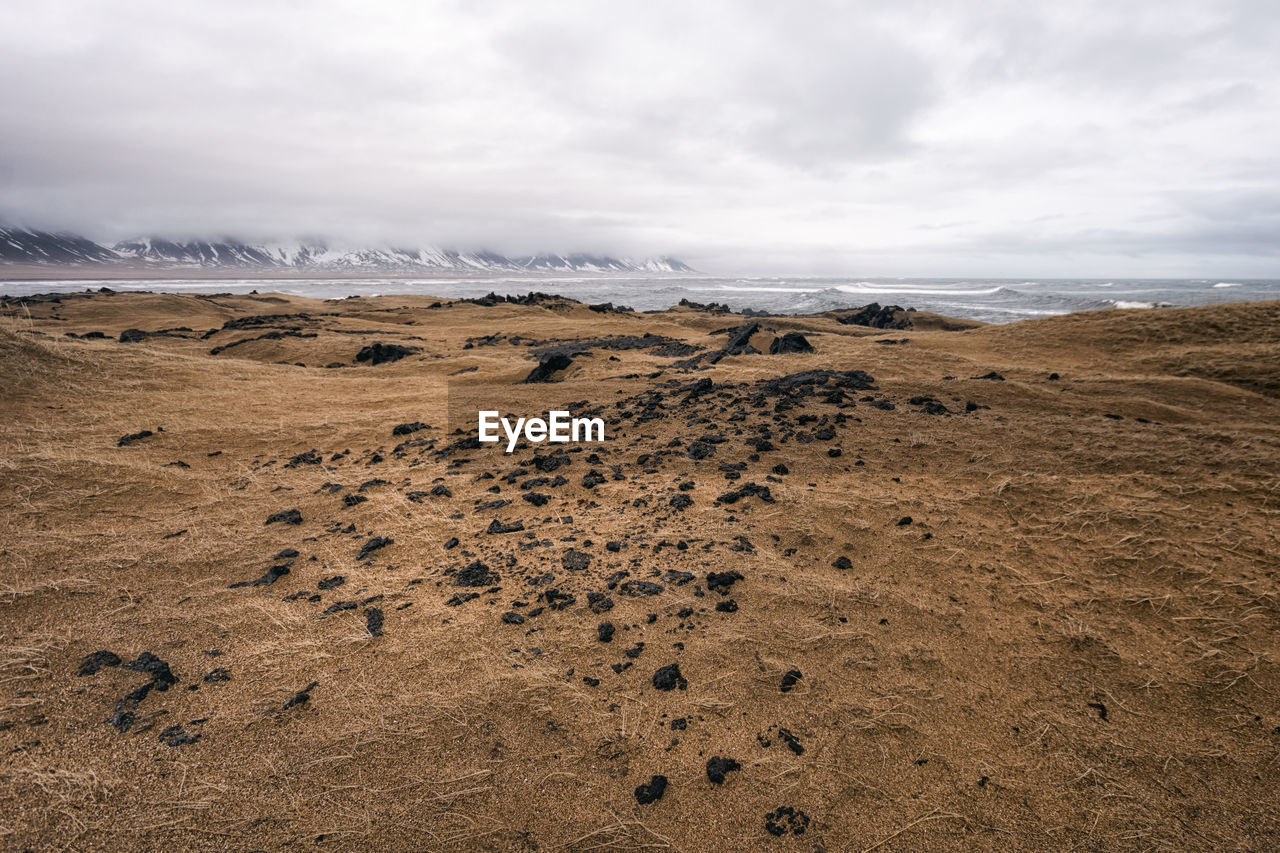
909 607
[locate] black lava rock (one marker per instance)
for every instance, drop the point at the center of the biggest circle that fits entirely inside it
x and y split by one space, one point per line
700 450
496 526
96 661
646 794
156 668
272 575
669 678
373 545
288 516
721 581
717 767
380 353
548 366
301 697
475 574
575 561
126 440
789 343
786 819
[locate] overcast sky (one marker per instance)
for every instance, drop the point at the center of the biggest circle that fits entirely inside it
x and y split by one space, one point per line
889 138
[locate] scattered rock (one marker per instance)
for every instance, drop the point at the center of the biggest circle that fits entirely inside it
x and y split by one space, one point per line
548 366
786 819
177 736
699 450
791 342
272 575
669 678
475 574
301 697
338 607
96 661
717 767
288 516
876 316
652 792
496 526
126 440
639 589
746 491
721 581
373 545
380 353
575 561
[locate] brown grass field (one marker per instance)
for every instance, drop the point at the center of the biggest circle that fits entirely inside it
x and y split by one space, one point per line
1072 645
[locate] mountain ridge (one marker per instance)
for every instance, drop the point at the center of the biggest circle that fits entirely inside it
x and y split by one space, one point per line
27 245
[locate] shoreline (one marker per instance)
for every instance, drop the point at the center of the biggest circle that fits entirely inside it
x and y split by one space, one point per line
998 301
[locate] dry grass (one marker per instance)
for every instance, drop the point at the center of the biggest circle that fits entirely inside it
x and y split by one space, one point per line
1058 563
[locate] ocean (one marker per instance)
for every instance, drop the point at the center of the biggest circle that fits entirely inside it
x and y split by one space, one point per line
989 300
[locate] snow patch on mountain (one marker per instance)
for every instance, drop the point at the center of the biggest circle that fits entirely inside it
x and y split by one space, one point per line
22 245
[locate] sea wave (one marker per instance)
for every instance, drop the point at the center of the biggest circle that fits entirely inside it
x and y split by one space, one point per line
867 287
1227 284
735 289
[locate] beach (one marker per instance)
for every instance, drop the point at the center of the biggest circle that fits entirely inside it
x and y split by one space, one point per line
927 584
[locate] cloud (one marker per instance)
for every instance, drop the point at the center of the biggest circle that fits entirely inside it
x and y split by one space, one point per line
843 137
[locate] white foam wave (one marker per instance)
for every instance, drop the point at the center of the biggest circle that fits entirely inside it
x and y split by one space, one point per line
732 288
1227 284
868 287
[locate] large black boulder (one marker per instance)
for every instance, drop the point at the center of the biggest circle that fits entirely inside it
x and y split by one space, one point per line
790 342
380 353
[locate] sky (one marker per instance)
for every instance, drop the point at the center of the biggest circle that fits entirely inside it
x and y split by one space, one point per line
972 137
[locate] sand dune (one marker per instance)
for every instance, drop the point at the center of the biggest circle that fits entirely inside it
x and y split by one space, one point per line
948 587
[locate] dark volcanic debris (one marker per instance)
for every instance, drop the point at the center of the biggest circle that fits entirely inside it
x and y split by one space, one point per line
301 697
786 820
380 353
717 767
374 544
669 678
96 661
651 792
288 516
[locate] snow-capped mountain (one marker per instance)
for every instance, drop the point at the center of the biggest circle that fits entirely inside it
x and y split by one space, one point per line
321 257
597 263
29 246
